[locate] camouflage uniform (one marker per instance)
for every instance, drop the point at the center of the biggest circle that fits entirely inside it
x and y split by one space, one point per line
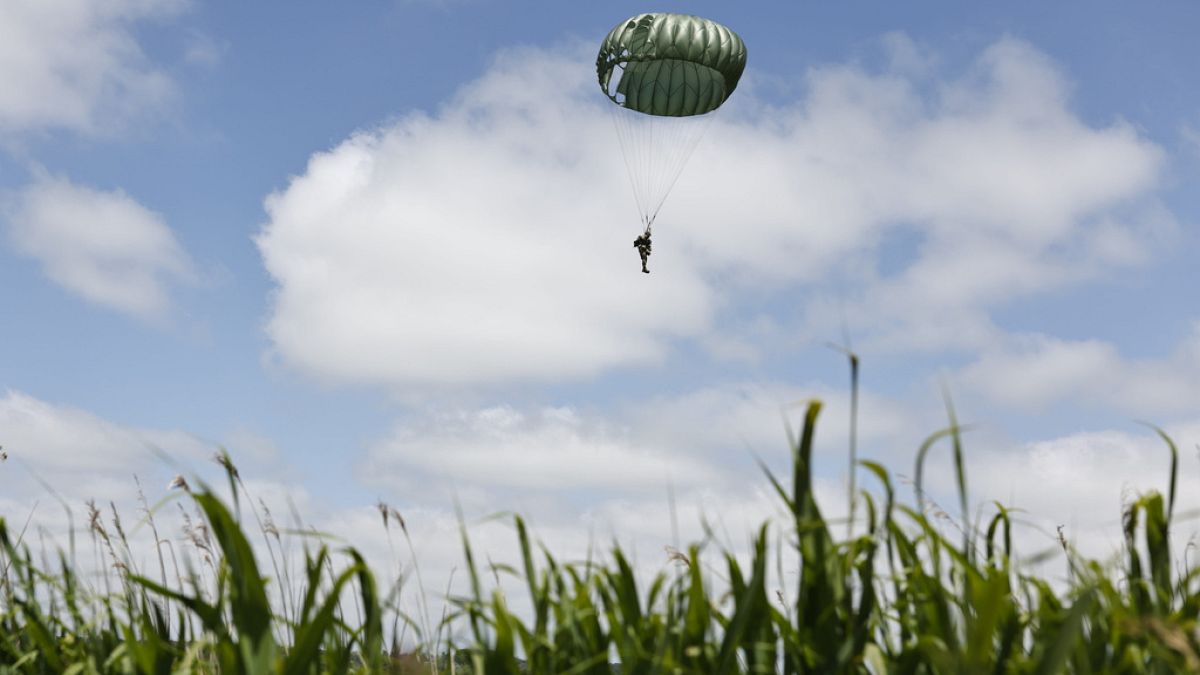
642 244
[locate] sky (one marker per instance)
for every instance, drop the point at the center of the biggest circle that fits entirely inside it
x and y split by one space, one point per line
381 251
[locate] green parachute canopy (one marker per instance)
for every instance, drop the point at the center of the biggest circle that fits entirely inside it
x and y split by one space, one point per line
672 65
665 73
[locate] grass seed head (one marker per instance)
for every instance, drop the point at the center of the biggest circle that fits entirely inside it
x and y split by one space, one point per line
383 512
389 513
117 523
268 525
95 520
222 457
673 554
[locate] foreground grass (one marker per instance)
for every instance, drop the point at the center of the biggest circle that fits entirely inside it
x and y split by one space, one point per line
899 598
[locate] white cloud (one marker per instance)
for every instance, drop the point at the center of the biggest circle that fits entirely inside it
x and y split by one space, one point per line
53 436
995 154
102 246
728 422
1081 481
75 64
1033 371
488 242
555 459
245 442
550 449
56 451
1006 192
475 246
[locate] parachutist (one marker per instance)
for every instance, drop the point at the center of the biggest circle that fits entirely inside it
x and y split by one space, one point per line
665 73
642 244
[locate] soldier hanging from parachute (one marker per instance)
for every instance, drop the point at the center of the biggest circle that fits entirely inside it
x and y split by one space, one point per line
642 244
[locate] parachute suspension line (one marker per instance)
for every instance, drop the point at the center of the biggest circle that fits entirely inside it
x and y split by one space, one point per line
631 153
655 150
688 132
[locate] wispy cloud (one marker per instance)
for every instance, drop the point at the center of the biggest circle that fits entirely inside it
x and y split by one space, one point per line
61 439
1033 371
549 449
1191 136
77 65
203 50
101 245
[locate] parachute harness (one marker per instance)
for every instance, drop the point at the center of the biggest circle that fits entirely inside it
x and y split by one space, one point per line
642 244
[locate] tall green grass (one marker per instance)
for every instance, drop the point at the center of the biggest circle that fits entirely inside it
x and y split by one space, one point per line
898 598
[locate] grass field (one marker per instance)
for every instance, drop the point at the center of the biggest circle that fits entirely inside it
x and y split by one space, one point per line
900 597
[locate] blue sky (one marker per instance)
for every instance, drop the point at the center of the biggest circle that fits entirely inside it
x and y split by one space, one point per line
304 231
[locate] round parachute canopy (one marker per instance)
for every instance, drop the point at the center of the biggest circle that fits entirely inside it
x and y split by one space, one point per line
670 65
665 73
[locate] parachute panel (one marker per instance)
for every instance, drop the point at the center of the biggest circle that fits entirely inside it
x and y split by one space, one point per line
678 43
670 88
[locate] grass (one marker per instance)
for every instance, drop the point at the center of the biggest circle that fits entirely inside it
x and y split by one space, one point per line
898 598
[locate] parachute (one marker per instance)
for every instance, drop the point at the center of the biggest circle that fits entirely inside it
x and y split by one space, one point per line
665 73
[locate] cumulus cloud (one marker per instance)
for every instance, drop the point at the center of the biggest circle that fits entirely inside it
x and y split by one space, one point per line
558 458
474 246
1004 190
484 242
1032 371
994 153
76 64
1082 481
548 449
727 422
100 245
